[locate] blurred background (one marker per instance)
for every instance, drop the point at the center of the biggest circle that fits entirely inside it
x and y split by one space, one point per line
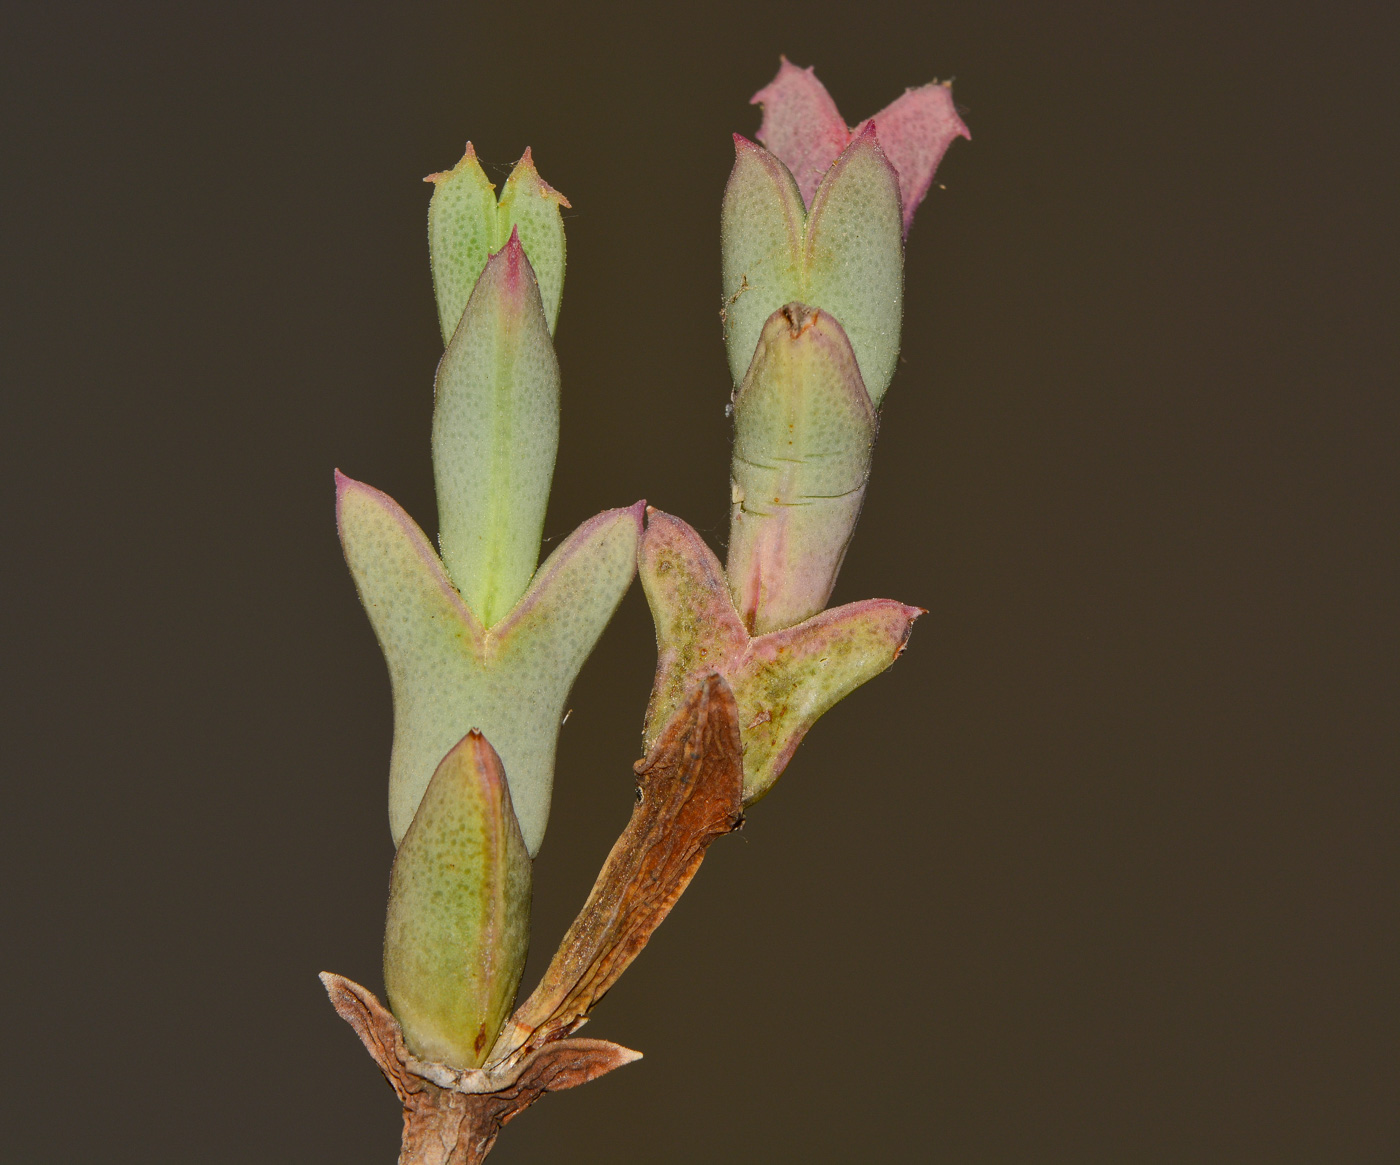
1101 871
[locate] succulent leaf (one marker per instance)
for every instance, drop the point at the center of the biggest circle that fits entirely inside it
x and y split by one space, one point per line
845 255
804 430
495 435
466 226
458 925
801 124
803 127
531 205
449 674
855 257
461 235
915 131
782 681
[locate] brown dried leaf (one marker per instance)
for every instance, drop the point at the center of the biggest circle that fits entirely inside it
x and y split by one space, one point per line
689 792
453 1117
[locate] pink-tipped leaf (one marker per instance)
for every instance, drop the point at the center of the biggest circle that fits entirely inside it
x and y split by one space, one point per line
801 125
915 132
782 681
495 435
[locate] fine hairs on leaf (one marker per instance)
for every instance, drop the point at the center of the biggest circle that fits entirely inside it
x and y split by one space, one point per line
483 641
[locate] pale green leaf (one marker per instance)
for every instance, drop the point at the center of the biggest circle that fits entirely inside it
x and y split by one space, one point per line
845 255
461 235
855 257
761 224
531 205
804 429
458 925
495 434
449 674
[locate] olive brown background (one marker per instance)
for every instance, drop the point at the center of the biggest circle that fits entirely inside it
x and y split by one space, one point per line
1101 871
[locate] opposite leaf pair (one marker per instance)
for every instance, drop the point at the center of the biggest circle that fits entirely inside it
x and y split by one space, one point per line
482 647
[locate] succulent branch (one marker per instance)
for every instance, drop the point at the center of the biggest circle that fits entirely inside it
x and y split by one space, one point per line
688 794
483 643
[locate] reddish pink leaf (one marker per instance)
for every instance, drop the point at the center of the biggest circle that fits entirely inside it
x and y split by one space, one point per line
801 125
804 129
915 132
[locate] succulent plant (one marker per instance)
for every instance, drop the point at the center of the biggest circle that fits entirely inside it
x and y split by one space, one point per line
483 642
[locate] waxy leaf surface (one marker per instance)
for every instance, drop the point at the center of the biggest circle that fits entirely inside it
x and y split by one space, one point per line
466 226
804 430
495 435
458 925
845 255
782 681
449 674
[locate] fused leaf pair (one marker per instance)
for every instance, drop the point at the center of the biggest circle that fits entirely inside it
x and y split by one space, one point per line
466 225
449 673
783 680
844 255
803 127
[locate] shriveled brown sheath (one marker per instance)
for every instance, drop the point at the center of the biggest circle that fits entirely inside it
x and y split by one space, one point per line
689 792
453 1117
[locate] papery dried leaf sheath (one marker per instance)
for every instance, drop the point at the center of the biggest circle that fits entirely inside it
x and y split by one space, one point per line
689 792
453 1118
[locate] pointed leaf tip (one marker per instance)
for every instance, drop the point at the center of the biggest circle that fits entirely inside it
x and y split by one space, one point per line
916 130
514 251
526 165
467 224
801 124
468 160
457 927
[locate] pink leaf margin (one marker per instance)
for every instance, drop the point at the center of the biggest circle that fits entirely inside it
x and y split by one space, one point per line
803 128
